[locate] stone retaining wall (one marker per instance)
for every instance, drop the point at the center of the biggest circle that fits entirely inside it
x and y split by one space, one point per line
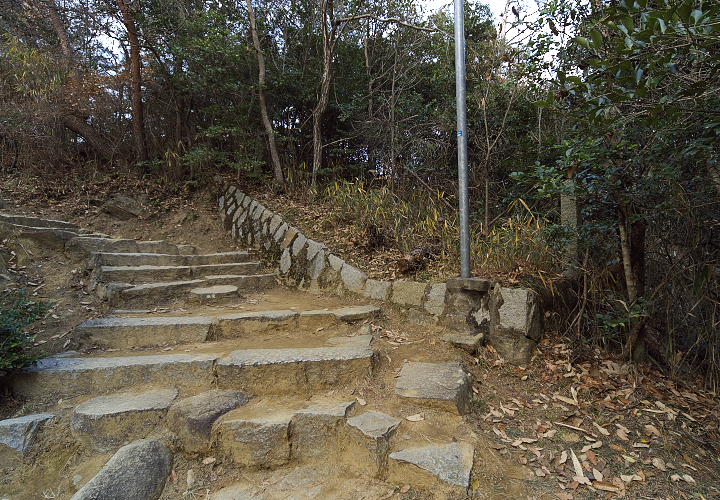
510 318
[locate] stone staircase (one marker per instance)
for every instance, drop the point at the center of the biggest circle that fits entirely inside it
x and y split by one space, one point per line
206 356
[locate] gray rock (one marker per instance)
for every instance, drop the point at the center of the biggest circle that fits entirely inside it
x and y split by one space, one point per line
123 207
435 302
377 289
260 442
374 424
285 261
214 294
106 422
356 313
353 278
336 263
516 323
445 385
137 471
17 435
408 293
192 418
370 439
317 265
298 244
469 343
316 428
451 463
313 247
275 222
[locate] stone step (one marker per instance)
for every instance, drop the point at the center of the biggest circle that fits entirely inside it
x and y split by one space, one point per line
268 434
148 274
300 370
146 331
105 423
63 377
215 295
126 332
98 244
158 293
24 220
50 237
159 259
441 385
292 371
450 463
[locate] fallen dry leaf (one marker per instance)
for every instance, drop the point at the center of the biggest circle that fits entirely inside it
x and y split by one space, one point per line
604 486
630 477
415 418
576 465
602 430
659 463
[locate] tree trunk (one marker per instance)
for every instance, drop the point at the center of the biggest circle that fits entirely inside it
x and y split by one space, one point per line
277 168
70 120
101 146
60 31
138 113
326 11
632 246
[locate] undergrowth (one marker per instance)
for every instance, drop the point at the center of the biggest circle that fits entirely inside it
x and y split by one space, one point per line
515 247
17 312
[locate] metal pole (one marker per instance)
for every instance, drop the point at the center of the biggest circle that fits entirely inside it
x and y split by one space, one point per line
460 100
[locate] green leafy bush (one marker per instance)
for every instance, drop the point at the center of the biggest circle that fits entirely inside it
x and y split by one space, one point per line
17 311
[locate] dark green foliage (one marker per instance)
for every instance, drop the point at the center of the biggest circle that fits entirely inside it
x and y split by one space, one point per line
18 311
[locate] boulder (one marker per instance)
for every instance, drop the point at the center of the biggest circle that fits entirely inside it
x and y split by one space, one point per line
17 435
123 207
192 418
137 471
469 343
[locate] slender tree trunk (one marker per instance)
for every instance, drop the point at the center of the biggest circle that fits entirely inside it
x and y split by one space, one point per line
138 112
277 168
326 11
632 247
73 121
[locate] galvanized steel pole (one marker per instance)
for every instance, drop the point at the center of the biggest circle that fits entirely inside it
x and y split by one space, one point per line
460 100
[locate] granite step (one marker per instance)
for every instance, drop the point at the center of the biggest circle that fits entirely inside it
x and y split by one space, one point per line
127 332
292 371
159 259
148 273
124 332
25 220
88 245
162 292
270 433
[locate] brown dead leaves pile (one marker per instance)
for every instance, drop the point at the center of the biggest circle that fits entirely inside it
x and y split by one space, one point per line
604 429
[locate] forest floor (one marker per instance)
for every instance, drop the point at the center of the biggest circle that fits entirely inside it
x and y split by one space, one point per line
588 427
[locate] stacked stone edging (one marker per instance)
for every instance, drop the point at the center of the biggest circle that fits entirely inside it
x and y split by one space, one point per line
309 264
